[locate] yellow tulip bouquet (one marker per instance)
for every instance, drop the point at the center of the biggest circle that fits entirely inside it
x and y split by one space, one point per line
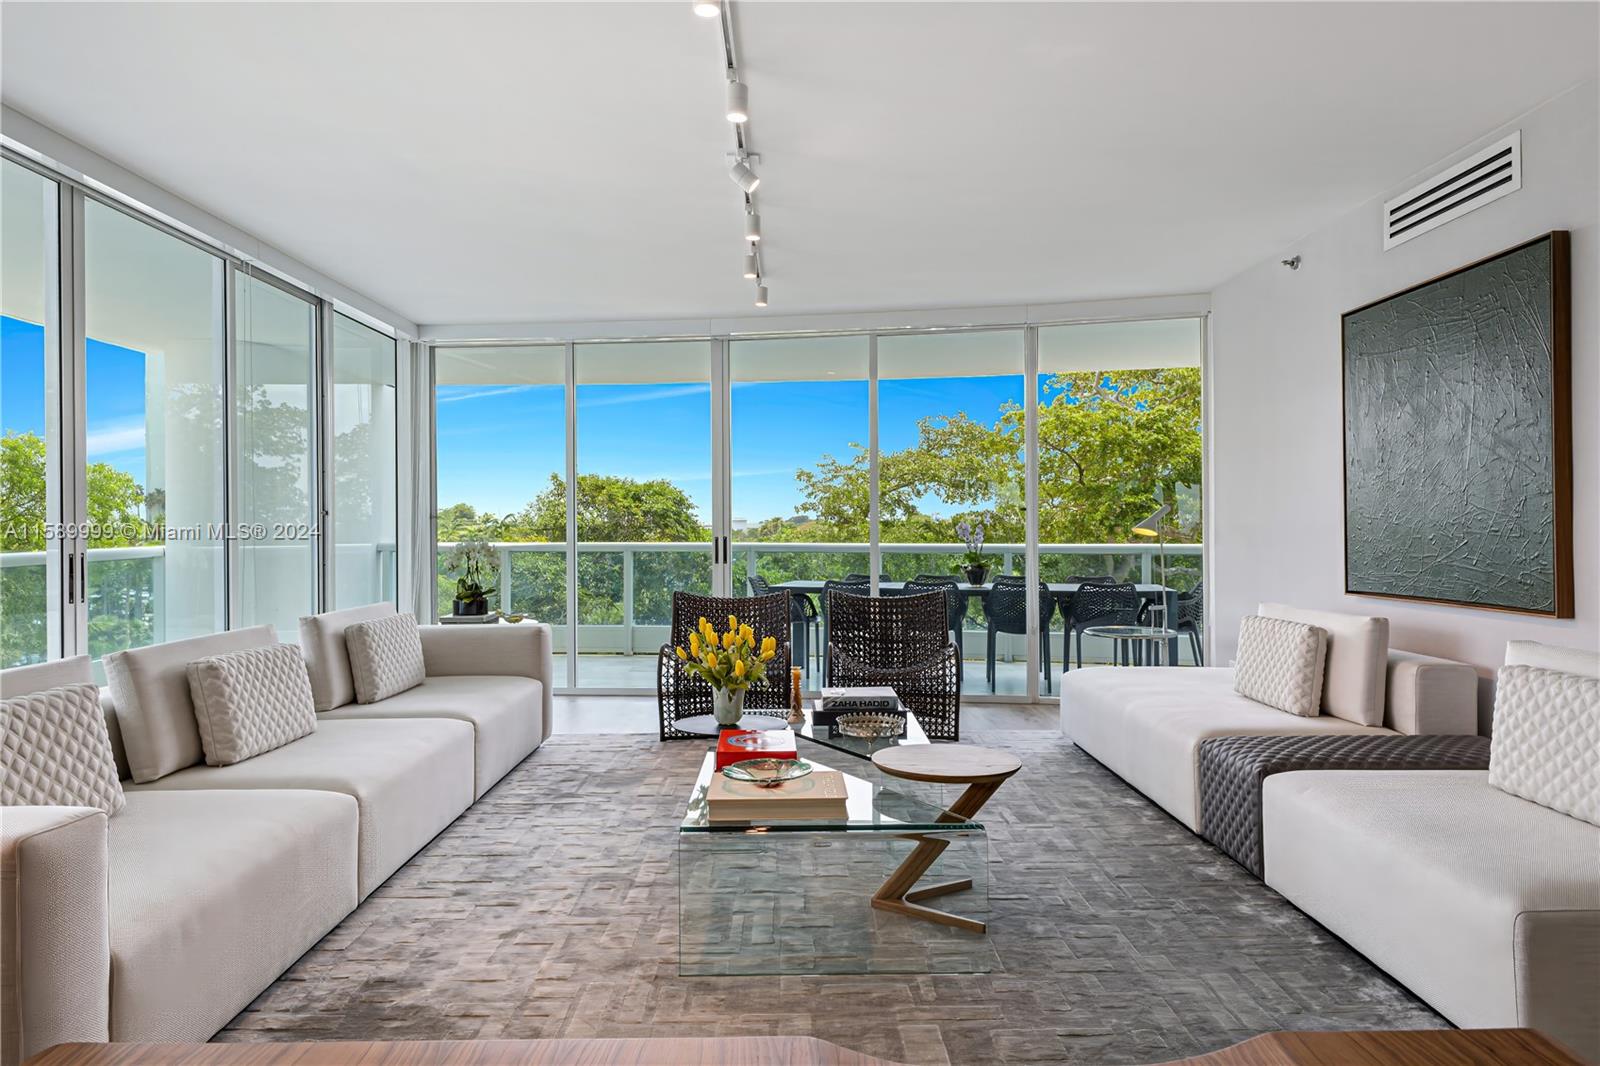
730 662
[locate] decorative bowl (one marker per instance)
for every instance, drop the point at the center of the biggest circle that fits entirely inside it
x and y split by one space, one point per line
869 725
768 773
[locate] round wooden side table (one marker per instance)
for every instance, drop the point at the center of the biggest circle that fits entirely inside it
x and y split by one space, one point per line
983 771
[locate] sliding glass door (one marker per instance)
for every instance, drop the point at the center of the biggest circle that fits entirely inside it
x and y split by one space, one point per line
274 554
643 501
155 442
32 467
951 461
501 461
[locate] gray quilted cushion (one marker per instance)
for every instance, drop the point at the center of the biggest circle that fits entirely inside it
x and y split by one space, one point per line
1280 664
385 656
248 702
55 751
1546 742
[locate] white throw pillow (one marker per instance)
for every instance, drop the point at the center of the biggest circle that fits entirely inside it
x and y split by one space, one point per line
1357 664
55 751
1546 741
249 702
385 656
1280 664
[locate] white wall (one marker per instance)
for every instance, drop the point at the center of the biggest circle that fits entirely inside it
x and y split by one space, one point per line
1277 468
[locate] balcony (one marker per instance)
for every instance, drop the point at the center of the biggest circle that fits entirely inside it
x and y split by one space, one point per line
624 603
625 594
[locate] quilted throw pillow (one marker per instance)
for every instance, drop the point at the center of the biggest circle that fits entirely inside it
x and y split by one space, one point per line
55 751
1546 742
1280 664
385 656
251 701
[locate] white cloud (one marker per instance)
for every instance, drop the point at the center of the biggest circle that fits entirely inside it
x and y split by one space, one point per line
498 390
113 437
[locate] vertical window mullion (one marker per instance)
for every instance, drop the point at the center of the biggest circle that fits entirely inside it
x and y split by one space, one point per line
1030 506
874 550
569 360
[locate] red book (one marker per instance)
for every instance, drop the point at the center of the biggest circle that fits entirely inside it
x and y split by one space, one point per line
736 745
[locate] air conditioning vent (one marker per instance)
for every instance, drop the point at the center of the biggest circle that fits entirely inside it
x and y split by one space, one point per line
1492 173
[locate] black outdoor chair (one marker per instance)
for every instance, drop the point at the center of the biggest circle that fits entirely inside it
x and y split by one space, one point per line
682 695
803 618
902 642
866 579
1188 616
948 585
1103 604
858 584
1005 608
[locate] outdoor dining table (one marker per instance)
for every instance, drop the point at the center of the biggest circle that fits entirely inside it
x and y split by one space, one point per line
1060 591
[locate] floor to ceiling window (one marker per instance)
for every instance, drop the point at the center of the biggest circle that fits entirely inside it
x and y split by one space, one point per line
156 442
644 498
275 474
800 471
166 454
1117 433
1119 438
951 461
362 493
30 465
500 462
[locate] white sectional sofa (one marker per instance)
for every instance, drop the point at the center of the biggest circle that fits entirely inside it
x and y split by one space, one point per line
1484 904
166 919
1147 723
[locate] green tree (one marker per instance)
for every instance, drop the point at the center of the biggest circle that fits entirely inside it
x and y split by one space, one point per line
120 588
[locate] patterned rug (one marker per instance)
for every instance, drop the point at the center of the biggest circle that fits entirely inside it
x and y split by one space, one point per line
550 909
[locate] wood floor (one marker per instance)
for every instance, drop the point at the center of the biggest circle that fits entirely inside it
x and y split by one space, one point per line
637 714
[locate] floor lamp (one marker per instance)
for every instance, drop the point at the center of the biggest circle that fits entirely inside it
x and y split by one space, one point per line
1155 526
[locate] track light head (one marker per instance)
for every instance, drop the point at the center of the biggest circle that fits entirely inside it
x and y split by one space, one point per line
707 9
751 270
752 226
738 102
761 296
743 176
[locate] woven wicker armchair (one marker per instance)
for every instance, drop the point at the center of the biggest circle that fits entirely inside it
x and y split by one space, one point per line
682 695
903 642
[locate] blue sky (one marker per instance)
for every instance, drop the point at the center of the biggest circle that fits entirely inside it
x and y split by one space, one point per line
498 446
113 395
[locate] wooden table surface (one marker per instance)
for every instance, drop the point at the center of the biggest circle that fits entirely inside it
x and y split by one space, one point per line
1422 1047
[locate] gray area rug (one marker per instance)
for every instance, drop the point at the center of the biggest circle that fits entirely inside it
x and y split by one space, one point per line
551 910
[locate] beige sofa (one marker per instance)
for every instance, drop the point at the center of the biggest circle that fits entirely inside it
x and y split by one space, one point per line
1484 904
166 920
1146 723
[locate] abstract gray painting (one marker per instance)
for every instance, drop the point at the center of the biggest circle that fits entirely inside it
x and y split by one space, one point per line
1451 426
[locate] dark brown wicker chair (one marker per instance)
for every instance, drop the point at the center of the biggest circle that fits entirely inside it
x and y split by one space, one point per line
903 642
682 695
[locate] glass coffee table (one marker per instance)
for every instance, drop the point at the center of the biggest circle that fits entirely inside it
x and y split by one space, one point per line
795 897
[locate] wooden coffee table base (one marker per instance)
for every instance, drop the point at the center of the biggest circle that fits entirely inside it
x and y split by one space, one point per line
982 770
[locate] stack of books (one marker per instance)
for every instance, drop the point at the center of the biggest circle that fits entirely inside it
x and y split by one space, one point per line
818 796
735 745
837 701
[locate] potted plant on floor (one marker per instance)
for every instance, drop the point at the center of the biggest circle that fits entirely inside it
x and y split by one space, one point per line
974 564
729 662
475 566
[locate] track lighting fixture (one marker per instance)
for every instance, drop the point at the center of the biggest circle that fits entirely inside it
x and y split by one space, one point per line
761 296
752 226
751 270
743 176
738 102
707 9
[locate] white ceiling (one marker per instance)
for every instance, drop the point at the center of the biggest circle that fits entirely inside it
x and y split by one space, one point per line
506 162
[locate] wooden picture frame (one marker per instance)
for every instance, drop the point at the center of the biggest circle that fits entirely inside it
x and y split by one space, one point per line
1498 330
